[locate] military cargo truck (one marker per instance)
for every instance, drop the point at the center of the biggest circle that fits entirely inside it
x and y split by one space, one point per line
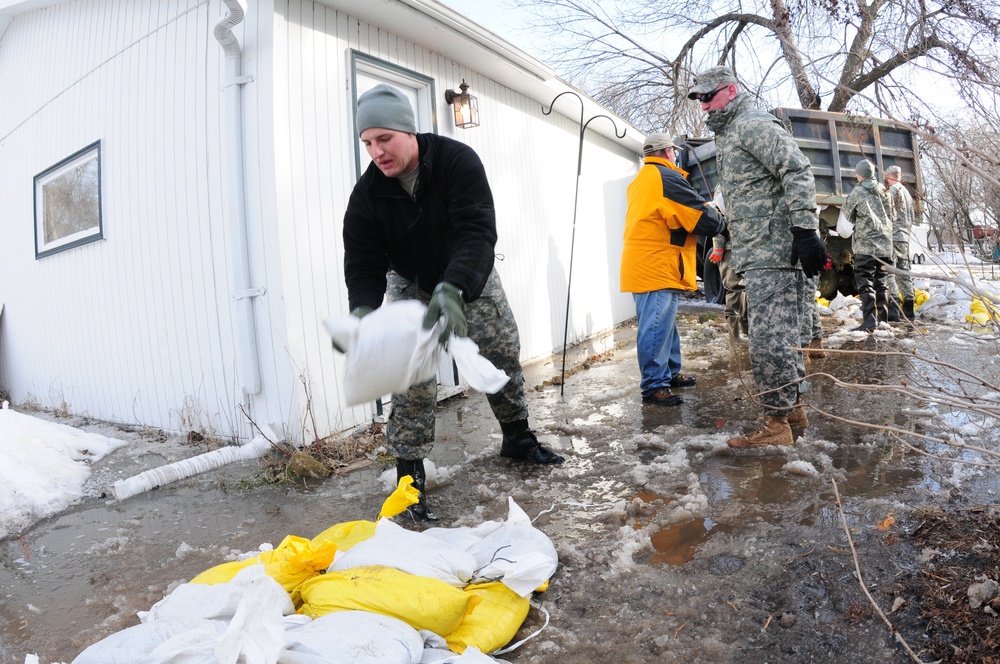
834 143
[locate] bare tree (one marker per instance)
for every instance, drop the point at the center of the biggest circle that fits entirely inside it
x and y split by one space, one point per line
637 56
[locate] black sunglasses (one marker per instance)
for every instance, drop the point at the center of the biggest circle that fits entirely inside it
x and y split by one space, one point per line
707 97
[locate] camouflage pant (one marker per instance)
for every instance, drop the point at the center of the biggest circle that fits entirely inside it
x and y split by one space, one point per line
812 326
776 306
901 282
410 431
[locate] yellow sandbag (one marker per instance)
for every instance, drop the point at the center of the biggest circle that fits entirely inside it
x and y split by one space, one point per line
297 559
345 535
822 301
493 623
983 313
225 572
404 496
421 602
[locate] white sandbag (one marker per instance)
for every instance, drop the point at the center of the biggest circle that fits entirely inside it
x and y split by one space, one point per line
358 637
470 656
844 226
514 552
218 601
477 371
131 645
408 551
256 634
386 351
389 351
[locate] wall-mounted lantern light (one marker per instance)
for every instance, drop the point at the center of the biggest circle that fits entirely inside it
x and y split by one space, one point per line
466 106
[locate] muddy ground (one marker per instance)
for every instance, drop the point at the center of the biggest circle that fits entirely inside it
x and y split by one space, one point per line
672 547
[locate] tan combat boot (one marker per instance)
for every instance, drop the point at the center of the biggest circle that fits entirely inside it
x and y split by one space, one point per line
775 431
815 351
798 418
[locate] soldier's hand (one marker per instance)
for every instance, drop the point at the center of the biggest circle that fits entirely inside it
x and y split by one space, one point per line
446 303
716 256
808 250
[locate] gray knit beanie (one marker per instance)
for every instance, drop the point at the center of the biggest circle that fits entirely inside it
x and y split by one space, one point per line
385 106
865 169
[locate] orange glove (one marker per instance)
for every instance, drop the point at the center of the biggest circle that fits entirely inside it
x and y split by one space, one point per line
716 255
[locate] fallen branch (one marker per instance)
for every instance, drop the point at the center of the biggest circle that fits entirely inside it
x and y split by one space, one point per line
861 581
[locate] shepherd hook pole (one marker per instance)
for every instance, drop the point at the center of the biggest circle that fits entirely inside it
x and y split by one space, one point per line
576 197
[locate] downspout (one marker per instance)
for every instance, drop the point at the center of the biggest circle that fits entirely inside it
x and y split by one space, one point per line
243 294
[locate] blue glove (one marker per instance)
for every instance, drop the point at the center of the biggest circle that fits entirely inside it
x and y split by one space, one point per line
359 312
446 302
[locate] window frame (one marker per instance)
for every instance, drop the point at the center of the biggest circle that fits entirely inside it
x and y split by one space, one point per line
51 177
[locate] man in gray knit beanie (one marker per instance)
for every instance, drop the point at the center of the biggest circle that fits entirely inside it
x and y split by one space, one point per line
421 225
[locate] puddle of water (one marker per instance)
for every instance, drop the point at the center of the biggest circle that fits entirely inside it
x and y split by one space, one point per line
679 543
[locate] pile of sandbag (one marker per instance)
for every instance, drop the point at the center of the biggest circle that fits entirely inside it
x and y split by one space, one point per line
361 591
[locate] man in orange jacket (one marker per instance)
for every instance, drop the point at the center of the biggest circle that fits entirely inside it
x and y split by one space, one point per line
665 214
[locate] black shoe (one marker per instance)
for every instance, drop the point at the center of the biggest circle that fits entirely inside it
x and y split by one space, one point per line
415 469
521 444
663 397
866 326
680 380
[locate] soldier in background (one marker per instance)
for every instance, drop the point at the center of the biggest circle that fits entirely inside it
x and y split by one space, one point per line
770 196
870 209
898 284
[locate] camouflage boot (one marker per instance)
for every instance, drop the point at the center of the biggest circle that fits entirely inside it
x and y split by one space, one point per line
774 431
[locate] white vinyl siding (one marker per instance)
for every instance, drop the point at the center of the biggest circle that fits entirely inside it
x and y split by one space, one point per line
138 327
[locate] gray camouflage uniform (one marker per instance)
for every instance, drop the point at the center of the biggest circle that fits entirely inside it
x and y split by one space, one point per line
870 209
903 204
768 187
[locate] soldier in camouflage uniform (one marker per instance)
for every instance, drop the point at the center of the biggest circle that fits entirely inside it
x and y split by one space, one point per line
903 204
870 209
420 224
770 199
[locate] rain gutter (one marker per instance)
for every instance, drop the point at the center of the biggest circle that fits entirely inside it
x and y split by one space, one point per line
243 293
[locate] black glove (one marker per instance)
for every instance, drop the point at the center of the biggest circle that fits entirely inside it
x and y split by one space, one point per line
446 302
359 312
808 250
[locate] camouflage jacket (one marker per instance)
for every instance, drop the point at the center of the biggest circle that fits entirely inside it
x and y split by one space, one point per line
767 184
870 209
903 203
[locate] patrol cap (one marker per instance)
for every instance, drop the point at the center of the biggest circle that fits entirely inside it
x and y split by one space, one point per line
710 79
656 142
894 170
865 169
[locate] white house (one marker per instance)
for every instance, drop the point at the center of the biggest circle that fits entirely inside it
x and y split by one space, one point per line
174 176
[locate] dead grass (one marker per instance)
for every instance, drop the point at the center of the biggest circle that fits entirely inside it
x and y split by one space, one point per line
967 548
339 454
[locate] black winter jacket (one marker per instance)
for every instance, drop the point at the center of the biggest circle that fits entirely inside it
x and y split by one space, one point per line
447 234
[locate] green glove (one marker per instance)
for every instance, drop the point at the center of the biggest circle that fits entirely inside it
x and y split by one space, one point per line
359 312
446 302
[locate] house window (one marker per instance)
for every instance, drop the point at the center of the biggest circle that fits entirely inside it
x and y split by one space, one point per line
367 72
68 203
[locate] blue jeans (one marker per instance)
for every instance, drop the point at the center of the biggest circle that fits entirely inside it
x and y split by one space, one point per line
657 343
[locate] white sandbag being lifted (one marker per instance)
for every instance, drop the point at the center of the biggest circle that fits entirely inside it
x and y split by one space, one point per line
388 351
